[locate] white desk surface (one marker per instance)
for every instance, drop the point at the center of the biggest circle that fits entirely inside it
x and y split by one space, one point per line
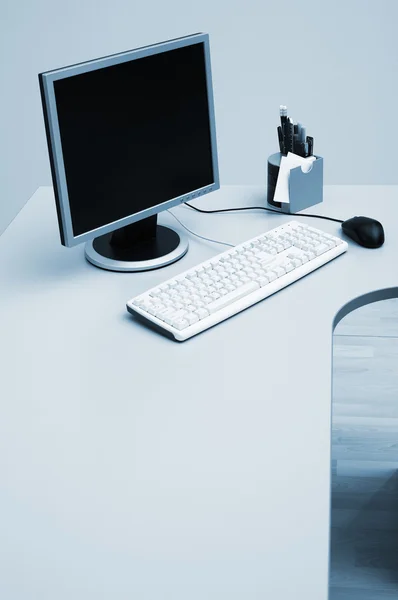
134 467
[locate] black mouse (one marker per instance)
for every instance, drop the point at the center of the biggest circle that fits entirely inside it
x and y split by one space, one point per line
364 231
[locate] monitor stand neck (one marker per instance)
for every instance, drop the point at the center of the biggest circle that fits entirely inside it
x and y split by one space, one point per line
141 246
136 233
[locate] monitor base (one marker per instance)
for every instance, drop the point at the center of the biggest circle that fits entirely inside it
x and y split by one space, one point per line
142 246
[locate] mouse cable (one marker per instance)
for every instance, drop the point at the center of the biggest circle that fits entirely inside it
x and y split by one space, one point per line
280 212
202 237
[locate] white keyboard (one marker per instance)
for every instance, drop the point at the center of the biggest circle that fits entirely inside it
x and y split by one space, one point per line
234 280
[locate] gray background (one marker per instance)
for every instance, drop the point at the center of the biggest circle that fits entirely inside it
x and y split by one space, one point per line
333 64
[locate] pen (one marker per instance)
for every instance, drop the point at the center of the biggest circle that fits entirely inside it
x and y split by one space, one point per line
304 146
280 138
296 142
288 136
310 142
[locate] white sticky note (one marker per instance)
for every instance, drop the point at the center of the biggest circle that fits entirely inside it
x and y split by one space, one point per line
291 161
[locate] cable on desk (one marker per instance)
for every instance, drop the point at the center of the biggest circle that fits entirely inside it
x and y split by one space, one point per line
202 237
222 210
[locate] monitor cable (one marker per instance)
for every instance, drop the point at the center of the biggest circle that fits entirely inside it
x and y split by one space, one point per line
223 210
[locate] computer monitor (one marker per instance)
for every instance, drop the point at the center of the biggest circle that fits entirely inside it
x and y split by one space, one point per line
131 135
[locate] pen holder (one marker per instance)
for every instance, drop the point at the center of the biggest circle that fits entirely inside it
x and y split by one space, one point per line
305 189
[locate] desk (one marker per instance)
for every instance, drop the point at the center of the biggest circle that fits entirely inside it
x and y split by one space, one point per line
134 467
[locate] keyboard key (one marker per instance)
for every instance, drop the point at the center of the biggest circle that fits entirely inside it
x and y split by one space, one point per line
230 287
263 280
202 313
279 271
320 249
166 313
288 266
266 260
271 275
241 292
154 308
187 283
253 276
191 317
175 316
139 301
191 307
180 324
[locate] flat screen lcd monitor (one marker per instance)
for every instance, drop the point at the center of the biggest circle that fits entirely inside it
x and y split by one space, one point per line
130 135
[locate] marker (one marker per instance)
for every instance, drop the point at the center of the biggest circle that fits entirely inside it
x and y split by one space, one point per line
303 133
299 126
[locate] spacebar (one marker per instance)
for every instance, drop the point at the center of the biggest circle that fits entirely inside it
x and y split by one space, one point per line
240 292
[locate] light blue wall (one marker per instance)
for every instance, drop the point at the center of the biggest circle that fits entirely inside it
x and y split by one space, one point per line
334 64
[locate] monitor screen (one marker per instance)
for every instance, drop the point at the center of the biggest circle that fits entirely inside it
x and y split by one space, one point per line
134 135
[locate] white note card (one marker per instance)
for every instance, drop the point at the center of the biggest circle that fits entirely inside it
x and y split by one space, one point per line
291 161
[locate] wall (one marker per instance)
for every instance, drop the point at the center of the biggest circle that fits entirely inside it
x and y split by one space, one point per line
333 64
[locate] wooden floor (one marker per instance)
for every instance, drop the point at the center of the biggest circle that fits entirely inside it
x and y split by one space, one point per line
364 536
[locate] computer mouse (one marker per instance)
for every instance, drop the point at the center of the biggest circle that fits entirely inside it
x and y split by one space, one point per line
364 231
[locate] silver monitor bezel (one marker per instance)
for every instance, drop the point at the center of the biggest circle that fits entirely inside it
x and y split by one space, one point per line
55 147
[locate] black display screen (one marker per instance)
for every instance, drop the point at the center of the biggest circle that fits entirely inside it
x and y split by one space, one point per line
134 135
